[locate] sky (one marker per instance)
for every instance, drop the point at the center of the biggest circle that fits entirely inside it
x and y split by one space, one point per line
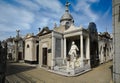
29 15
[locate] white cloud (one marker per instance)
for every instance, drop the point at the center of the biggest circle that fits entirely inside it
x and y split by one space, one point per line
106 13
40 5
13 17
28 14
81 20
44 10
31 14
105 21
31 5
84 7
93 1
52 5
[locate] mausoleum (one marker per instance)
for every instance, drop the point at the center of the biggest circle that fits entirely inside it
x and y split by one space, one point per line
65 49
68 49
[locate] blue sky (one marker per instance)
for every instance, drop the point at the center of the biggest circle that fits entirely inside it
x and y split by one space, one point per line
29 15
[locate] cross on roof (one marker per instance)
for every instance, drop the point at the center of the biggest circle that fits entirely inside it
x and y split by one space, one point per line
67 5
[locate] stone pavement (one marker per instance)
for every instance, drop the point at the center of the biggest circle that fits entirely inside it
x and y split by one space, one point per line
24 73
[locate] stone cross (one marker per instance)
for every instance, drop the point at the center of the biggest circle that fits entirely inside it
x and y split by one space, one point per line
67 5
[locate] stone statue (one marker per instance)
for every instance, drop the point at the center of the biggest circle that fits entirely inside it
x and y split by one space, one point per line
73 51
73 54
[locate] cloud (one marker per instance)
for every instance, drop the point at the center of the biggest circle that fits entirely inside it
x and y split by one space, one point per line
83 7
28 4
41 5
105 21
81 20
53 5
28 14
107 12
93 1
44 11
13 18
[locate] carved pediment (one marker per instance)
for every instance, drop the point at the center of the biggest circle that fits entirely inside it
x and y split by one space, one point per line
73 28
45 30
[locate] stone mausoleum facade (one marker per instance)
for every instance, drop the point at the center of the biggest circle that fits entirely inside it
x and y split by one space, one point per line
67 49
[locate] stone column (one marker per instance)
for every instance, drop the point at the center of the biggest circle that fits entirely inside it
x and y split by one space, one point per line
32 50
88 50
64 48
40 54
53 51
81 48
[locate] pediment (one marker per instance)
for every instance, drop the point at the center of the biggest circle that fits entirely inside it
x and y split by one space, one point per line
45 30
72 28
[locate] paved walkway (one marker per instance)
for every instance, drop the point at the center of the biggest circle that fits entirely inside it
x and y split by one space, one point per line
22 73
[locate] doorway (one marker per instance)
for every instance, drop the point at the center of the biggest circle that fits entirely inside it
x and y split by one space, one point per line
44 56
37 54
19 55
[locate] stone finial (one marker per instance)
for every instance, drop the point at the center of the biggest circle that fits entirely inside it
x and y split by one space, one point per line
55 25
39 29
17 32
32 34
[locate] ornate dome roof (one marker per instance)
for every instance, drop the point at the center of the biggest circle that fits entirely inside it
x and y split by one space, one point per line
66 16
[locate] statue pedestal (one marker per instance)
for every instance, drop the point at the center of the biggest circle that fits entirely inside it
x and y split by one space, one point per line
71 64
73 71
77 66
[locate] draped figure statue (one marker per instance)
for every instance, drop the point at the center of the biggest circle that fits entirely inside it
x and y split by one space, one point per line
73 51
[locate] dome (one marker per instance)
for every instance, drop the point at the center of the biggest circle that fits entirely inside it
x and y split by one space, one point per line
66 16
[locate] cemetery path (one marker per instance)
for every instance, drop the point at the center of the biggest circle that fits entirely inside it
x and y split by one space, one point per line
24 73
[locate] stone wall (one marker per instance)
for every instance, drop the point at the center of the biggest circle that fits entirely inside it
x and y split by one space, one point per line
45 42
116 33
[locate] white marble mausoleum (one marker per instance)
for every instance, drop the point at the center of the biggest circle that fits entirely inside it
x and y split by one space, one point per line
65 49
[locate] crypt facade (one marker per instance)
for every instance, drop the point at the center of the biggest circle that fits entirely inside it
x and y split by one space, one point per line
66 48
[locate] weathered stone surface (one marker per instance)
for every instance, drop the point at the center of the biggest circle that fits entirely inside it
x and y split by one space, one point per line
116 33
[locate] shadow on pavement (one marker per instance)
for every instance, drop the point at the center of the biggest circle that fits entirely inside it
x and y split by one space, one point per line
13 68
